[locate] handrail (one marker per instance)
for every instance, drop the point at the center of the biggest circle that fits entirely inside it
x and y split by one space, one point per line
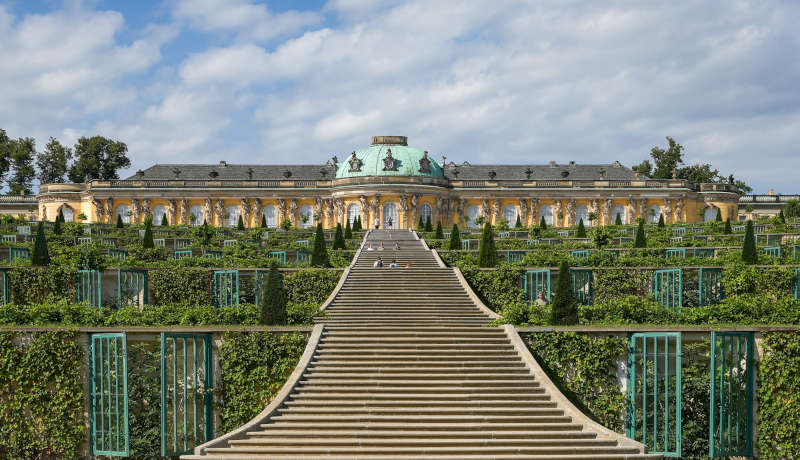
276 403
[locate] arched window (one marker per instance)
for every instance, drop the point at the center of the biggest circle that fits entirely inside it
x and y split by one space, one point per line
159 211
582 212
123 210
270 216
198 213
510 215
426 212
547 212
710 214
618 210
306 214
232 214
653 213
353 211
389 215
472 214
68 214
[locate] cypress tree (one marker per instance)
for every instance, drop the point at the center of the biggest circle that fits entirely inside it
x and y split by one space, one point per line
581 233
518 224
147 242
348 232
749 255
60 216
338 239
781 217
357 222
420 224
164 222
263 221
564 310
41 255
641 239
542 223
428 225
719 215
727 230
661 221
57 230
455 239
273 301
439 231
487 257
240 223
319 257
618 220
119 221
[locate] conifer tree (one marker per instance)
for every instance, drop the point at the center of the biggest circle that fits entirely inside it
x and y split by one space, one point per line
57 229
641 239
273 301
455 239
749 255
147 241
420 224
319 257
357 221
263 221
727 230
542 223
338 239
240 223
60 216
164 222
348 232
581 233
487 257
119 221
564 310
519 223
718 218
41 255
661 221
618 220
428 225
781 217
439 231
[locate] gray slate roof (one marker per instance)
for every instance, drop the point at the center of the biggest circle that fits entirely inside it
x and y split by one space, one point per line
313 172
538 172
235 172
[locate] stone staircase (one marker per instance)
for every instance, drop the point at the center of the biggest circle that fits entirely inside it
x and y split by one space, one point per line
402 366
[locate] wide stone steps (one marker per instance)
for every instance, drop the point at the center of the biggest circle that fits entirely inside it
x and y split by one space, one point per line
407 368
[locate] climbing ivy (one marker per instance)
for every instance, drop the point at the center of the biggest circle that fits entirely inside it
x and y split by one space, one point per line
41 395
255 365
144 403
35 284
778 401
187 286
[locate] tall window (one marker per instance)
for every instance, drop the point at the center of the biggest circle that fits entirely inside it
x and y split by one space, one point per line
232 214
547 212
510 215
472 214
353 211
618 210
710 214
158 214
582 212
123 210
306 214
389 215
270 216
426 212
199 215
653 213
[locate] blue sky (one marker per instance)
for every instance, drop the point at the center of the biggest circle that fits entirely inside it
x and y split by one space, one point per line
515 82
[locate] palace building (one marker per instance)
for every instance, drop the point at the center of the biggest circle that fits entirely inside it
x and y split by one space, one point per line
390 181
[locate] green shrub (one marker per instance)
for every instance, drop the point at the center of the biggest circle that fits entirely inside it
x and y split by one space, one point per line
119 221
273 304
487 256
618 220
641 240
727 230
180 286
778 404
319 255
661 221
147 241
749 254
41 255
310 286
626 310
338 239
564 309
439 232
428 225
542 223
496 288
348 232
581 233
455 239
164 222
31 285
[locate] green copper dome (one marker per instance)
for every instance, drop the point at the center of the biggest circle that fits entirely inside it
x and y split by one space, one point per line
388 156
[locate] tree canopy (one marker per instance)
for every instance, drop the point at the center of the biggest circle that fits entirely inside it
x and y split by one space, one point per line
98 158
53 162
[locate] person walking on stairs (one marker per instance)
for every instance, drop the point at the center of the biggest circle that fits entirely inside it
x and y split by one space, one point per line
378 263
377 223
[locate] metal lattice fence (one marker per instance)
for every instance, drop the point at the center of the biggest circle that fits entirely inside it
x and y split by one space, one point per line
534 282
582 280
732 383
108 385
132 287
88 287
668 288
225 288
710 281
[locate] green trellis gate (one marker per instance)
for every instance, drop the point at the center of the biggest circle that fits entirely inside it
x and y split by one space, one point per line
710 280
732 382
582 285
654 392
187 418
88 287
668 287
534 282
225 288
108 403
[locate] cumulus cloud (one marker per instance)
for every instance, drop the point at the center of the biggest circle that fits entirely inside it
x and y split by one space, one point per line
485 81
